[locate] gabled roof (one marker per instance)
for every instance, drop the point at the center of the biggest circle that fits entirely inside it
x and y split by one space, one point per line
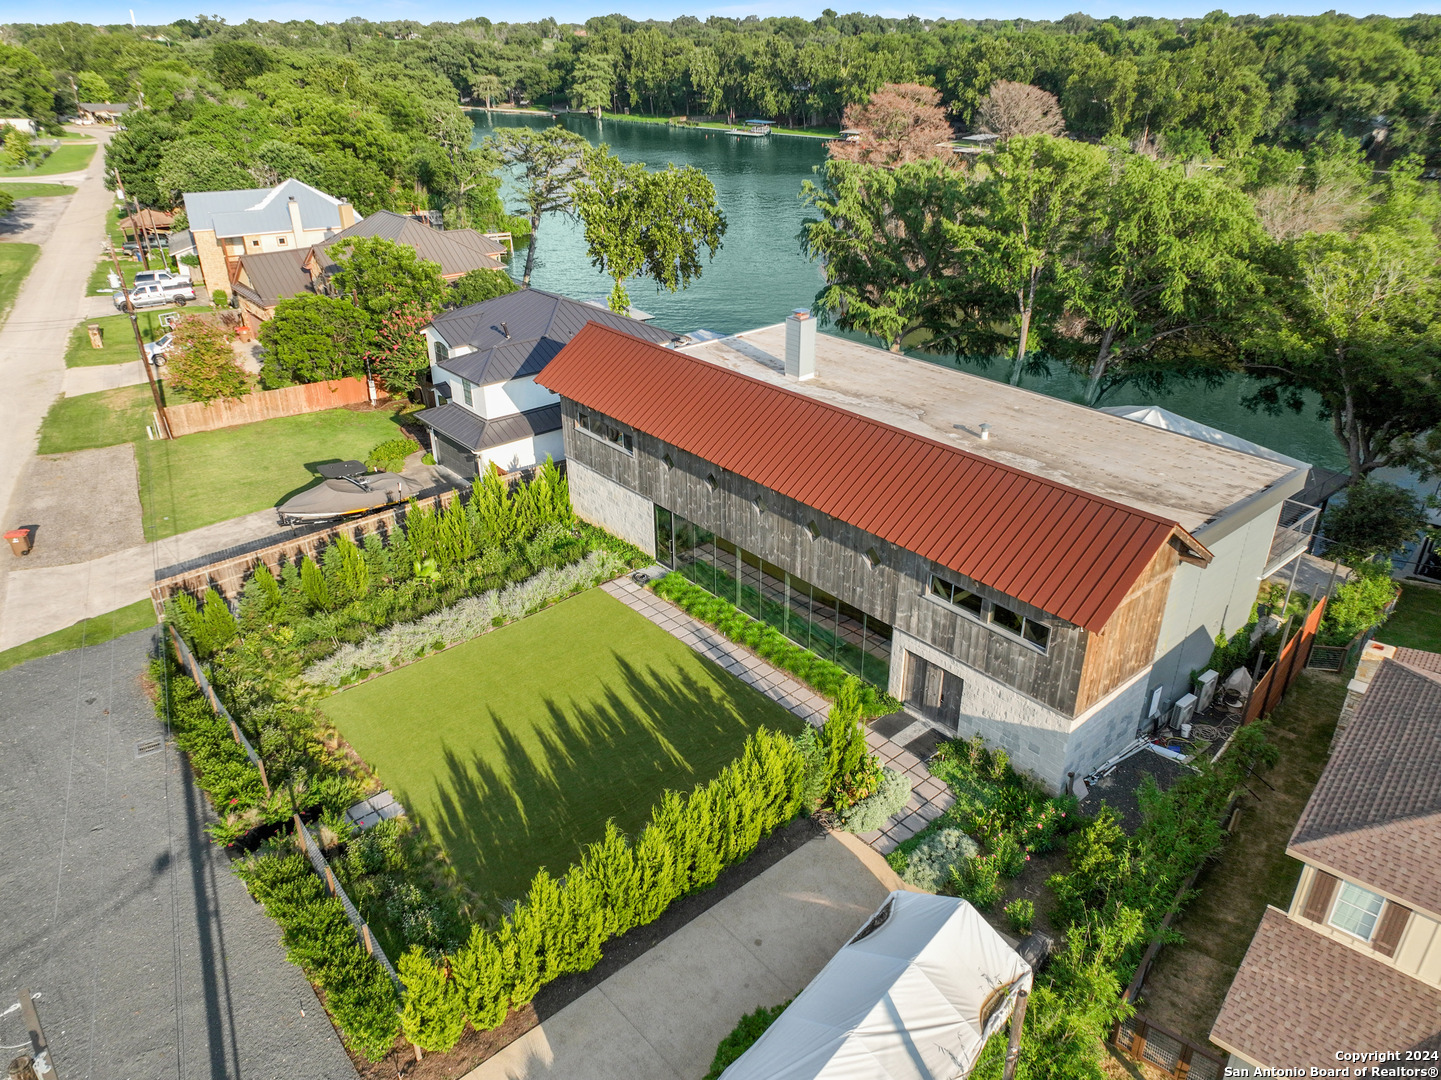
461 426
539 324
273 275
458 251
261 210
1299 997
1375 814
1067 552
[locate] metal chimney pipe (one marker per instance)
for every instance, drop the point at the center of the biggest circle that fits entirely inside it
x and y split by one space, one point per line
800 345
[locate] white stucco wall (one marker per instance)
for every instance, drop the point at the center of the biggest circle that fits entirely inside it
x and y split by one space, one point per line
514 396
617 509
523 452
1106 728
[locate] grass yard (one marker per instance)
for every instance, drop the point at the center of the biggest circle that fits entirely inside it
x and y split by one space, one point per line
1186 987
107 418
119 339
513 750
15 263
95 631
65 159
22 190
1416 622
217 475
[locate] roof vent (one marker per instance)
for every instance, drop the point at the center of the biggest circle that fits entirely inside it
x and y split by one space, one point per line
801 345
985 432
505 329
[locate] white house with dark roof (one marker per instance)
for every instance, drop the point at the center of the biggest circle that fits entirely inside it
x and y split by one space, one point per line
484 359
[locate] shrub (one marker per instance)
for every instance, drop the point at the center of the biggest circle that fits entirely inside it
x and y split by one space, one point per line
1021 914
1375 520
201 363
875 810
1009 858
1359 604
219 297
751 1027
929 863
479 970
390 455
978 880
432 1015
317 589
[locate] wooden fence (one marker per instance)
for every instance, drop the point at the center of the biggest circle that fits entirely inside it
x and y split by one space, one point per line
1272 686
267 405
1141 1039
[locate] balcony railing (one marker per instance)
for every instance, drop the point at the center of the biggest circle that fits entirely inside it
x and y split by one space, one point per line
1295 530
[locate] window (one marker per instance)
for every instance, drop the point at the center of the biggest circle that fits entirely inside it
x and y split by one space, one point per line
1356 910
280 240
760 504
997 616
668 460
813 529
873 557
255 243
953 594
442 353
1007 619
582 421
711 481
466 387
1037 633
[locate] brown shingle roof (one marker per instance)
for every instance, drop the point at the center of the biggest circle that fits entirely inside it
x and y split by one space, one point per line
458 251
273 275
1065 551
1418 658
1299 997
1375 814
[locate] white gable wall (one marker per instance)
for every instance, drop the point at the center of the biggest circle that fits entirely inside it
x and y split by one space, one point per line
514 396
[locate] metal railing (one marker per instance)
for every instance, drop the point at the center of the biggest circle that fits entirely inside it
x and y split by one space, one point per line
1295 530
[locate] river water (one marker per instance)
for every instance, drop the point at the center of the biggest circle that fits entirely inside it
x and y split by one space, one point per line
760 275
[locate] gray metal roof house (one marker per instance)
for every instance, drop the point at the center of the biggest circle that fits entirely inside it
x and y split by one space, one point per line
484 359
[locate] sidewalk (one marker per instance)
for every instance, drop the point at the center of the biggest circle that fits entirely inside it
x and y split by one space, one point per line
893 743
91 380
662 1016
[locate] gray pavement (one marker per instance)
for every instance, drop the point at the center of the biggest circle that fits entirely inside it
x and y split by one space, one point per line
662 1015
83 505
149 957
92 380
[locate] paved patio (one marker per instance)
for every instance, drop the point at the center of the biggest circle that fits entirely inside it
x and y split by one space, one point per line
900 741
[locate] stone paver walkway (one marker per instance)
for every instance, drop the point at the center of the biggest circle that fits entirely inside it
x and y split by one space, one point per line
929 796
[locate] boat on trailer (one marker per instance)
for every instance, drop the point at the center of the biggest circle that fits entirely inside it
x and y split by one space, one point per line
349 490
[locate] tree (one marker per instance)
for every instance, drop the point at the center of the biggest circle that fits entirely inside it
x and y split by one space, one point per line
479 286
201 363
312 339
593 81
192 165
465 169
549 162
899 123
1377 519
1012 108
380 276
14 147
486 85
655 223
396 347
26 85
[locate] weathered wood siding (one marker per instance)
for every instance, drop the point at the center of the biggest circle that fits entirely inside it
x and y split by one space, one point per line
1128 643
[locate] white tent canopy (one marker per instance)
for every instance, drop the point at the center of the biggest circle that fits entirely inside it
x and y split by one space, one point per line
913 996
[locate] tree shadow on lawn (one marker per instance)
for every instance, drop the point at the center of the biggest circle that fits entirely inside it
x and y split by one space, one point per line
502 818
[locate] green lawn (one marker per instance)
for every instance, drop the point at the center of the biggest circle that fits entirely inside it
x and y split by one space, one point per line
217 475
1416 622
106 418
119 339
514 749
15 263
65 159
22 190
721 125
100 283
96 631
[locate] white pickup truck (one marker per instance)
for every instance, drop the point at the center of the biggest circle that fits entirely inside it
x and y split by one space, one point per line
156 294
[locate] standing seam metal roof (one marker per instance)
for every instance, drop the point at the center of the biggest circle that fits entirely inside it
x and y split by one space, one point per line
1059 549
457 251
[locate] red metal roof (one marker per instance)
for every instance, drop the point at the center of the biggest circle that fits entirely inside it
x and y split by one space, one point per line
1067 552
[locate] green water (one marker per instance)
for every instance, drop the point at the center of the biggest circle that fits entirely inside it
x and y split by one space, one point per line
759 276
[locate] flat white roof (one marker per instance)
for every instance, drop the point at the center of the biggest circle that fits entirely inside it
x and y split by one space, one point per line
1180 478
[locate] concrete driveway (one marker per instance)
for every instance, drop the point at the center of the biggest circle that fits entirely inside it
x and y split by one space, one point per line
662 1016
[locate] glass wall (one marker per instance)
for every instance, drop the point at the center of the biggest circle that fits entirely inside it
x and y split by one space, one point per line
807 615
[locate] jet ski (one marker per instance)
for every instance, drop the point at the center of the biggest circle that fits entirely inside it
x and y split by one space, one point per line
348 490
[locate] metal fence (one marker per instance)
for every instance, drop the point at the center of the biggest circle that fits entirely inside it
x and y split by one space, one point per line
193 669
1140 1039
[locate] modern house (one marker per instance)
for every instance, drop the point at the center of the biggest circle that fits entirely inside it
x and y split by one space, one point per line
484 359
101 112
290 217
1354 965
262 280
1006 563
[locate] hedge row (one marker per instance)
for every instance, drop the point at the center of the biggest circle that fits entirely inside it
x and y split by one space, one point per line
561 925
769 643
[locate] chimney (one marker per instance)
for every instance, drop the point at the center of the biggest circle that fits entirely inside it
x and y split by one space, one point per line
347 214
801 345
504 329
296 229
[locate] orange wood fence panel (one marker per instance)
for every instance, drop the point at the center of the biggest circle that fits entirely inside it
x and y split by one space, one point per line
268 405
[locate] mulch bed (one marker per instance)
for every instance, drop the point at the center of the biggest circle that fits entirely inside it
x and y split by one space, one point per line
1119 788
476 1046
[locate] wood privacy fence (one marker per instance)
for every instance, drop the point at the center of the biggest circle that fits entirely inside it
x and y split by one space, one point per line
268 404
226 571
1272 686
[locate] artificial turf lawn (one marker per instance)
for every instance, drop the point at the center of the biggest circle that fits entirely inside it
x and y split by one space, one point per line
1416 622
217 475
92 631
514 749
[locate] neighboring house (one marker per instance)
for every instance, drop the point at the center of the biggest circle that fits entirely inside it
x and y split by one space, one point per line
226 225
1354 965
1004 562
101 112
484 361
22 125
262 280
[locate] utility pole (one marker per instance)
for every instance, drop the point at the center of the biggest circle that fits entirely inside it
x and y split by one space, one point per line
161 419
43 1066
141 242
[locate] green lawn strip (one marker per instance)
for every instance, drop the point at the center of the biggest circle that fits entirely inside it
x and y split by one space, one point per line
119 347
93 631
22 190
515 748
1186 987
65 159
1416 622
106 418
217 475
16 261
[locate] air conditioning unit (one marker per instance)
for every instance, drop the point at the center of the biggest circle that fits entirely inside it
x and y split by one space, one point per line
1183 712
1206 685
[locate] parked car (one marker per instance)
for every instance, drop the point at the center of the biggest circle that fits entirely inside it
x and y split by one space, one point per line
155 350
152 243
156 295
162 277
